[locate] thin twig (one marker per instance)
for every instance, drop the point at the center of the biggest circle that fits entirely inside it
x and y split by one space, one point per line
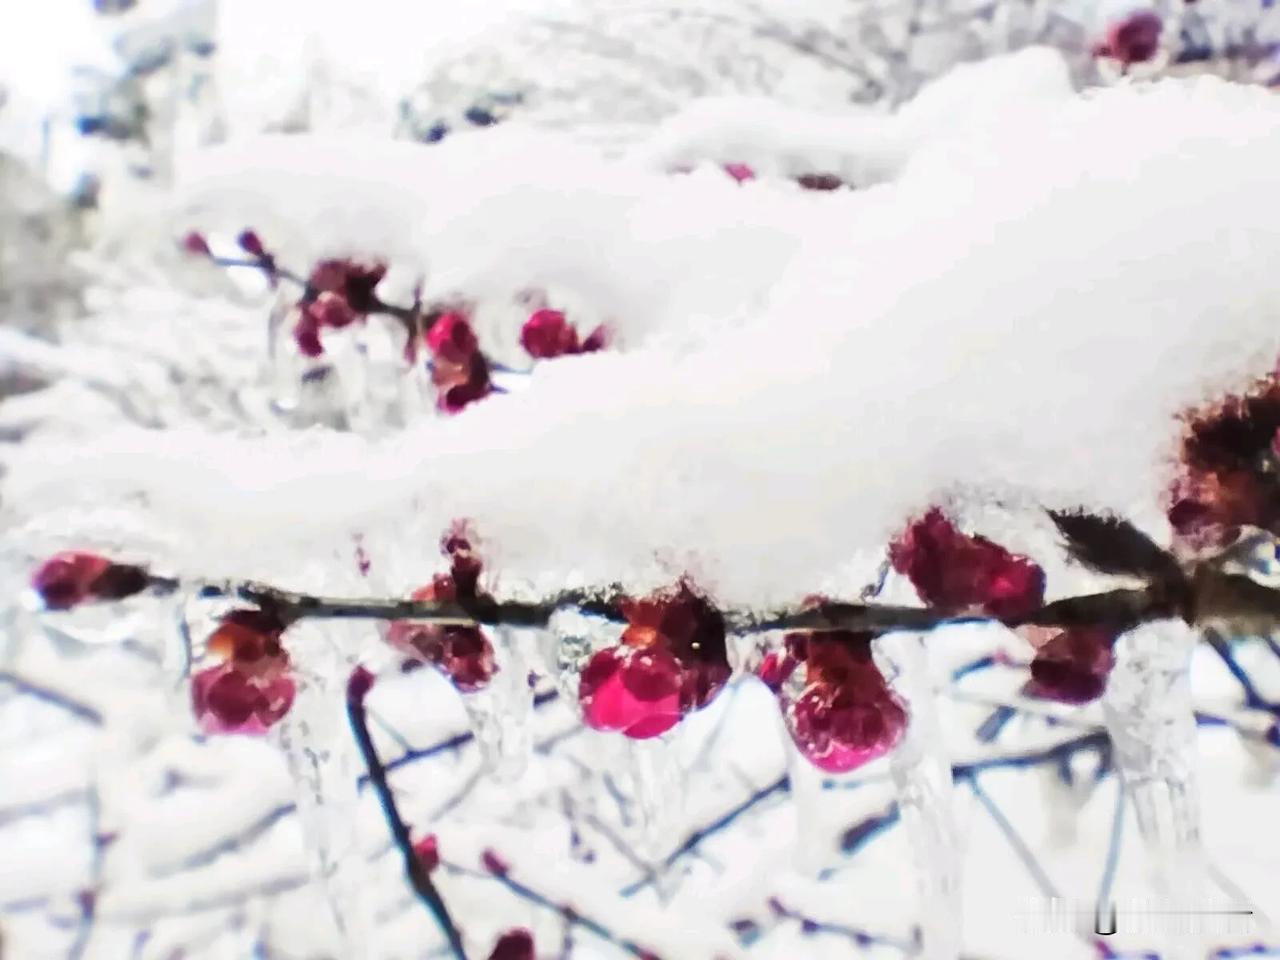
1105 907
567 912
419 877
455 742
88 897
692 841
49 695
810 926
1015 840
1208 598
409 317
1222 647
1120 609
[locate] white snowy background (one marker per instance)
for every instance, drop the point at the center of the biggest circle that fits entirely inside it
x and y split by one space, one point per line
1026 286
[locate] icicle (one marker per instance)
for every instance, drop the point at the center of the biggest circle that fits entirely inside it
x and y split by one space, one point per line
500 714
287 363
657 785
1151 721
652 766
812 849
415 393
325 765
921 772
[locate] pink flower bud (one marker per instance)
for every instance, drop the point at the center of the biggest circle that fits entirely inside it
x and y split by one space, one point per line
72 577
228 699
547 334
251 243
427 850
636 692
597 339
819 181
739 171
1073 666
955 572
359 684
463 654
846 714
195 244
1132 39
330 310
349 280
452 339
513 945
306 334
467 384
494 863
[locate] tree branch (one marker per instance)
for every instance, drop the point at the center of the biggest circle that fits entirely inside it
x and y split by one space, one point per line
419 877
1210 598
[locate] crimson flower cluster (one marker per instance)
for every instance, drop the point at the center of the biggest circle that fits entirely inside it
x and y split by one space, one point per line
1071 666
959 573
844 714
1227 474
742 172
548 334
459 370
463 654
515 944
339 293
671 660
1133 38
427 850
251 688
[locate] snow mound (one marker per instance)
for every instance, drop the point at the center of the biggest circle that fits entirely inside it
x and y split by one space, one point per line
1020 315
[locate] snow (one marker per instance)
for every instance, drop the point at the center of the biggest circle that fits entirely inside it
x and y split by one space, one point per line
863 145
796 377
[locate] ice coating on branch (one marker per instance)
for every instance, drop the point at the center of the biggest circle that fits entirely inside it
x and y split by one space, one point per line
913 346
463 654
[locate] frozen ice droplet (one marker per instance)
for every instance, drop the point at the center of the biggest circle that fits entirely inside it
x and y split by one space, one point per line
1150 718
325 766
921 773
657 778
568 643
500 713
307 390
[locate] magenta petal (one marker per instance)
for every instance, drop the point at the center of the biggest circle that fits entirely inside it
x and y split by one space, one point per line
839 729
637 694
66 579
546 334
225 699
